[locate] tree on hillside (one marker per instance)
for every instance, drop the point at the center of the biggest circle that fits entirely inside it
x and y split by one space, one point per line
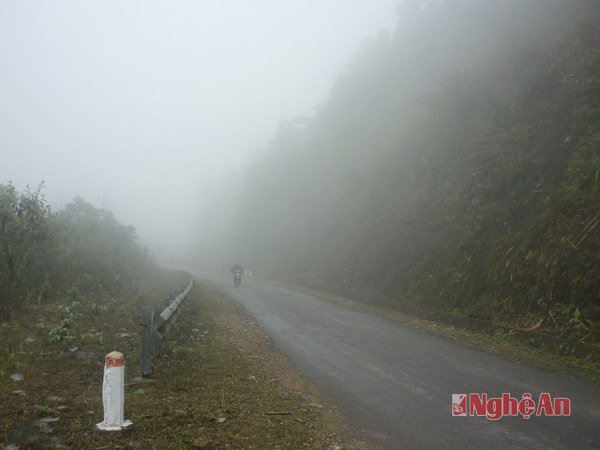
454 164
94 250
23 227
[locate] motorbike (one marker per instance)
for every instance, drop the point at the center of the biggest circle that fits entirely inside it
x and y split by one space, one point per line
237 278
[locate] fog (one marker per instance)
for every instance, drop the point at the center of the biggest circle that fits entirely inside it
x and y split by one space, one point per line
138 106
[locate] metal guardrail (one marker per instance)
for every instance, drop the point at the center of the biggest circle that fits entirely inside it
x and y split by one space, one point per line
157 325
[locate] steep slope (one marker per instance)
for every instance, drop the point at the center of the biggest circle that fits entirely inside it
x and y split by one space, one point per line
475 190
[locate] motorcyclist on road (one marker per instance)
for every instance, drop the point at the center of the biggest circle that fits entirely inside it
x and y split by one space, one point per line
237 271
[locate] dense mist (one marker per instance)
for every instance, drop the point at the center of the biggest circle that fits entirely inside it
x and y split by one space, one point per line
320 171
453 166
138 107
439 154
422 174
377 99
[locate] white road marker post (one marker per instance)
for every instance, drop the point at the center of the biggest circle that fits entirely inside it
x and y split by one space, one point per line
113 393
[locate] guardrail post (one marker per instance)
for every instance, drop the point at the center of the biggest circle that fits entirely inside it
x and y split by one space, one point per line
157 324
147 342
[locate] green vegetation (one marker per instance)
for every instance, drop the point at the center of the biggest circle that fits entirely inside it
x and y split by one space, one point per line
80 254
23 230
215 384
455 170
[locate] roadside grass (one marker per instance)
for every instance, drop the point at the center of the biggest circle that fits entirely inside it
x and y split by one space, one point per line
217 383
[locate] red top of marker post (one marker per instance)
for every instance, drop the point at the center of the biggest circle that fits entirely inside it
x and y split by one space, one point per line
115 359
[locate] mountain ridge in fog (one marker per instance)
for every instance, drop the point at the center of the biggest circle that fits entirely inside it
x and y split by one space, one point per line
456 182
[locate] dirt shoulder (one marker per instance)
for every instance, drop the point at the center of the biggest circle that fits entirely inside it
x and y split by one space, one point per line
217 383
265 402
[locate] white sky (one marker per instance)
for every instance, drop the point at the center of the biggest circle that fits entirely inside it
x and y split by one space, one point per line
135 104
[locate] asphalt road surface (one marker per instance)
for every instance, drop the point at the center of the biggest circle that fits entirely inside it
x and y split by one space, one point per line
397 382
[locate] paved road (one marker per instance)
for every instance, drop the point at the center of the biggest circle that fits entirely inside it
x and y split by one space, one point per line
397 382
